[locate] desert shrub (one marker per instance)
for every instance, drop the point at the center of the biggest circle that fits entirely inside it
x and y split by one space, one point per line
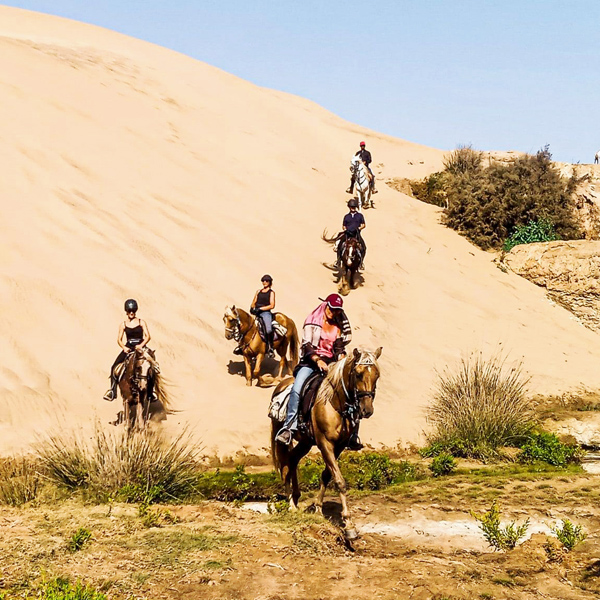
61 589
141 467
374 470
541 230
498 537
489 204
19 480
442 464
479 408
546 447
569 534
79 539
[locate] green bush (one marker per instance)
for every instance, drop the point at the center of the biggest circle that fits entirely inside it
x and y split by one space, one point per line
498 537
442 464
569 535
546 447
60 589
478 409
541 230
489 204
79 539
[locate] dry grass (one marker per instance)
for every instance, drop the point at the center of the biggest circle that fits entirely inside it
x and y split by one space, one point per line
19 480
480 407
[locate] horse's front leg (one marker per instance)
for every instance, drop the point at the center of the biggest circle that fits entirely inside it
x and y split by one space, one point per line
298 452
257 366
248 365
325 479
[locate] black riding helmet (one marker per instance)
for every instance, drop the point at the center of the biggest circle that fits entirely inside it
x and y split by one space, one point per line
267 278
131 305
353 203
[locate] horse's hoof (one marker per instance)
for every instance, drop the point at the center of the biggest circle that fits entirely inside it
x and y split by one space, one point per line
351 534
249 383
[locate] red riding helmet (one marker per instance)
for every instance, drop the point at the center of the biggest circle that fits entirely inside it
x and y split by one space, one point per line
362 144
334 301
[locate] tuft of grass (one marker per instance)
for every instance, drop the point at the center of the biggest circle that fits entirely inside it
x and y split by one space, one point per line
140 467
479 408
498 537
569 534
61 588
442 464
546 447
19 481
79 539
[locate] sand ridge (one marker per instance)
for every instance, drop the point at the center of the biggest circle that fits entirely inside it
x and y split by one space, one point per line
138 172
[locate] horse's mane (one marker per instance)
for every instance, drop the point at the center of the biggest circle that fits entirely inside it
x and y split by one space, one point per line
333 379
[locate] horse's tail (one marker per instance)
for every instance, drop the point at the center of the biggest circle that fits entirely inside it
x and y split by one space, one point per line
160 389
328 239
294 344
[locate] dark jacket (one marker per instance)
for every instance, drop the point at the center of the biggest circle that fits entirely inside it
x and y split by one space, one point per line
365 156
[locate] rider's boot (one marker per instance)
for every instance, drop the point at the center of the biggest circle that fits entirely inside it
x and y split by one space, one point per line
111 394
152 397
238 351
354 442
350 190
373 190
270 344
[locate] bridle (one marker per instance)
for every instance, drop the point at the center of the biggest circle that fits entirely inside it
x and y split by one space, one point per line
354 395
236 330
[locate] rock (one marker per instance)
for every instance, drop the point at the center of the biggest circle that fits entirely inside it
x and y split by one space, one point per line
570 272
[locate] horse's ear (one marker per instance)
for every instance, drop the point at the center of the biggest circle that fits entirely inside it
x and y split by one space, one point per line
378 352
356 353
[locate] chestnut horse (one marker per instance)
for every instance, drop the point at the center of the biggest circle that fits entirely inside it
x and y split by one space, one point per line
140 366
350 263
346 394
241 327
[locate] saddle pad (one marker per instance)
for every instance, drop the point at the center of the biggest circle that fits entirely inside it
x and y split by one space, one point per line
279 404
279 329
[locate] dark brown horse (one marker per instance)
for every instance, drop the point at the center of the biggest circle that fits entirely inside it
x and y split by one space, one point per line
346 393
241 327
140 366
350 263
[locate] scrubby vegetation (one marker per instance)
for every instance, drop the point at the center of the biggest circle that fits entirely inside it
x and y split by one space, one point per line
569 534
522 199
442 464
498 537
546 447
61 589
19 480
478 409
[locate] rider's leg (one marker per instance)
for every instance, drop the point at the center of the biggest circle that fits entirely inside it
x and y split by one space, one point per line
363 248
111 393
267 318
350 190
340 249
291 421
372 182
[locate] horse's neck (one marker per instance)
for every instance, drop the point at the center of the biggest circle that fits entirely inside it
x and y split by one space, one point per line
246 321
340 396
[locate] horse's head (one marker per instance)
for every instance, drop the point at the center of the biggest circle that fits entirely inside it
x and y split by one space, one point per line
142 366
351 252
232 324
365 373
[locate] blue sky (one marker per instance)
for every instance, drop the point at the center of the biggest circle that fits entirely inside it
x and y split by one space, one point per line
500 75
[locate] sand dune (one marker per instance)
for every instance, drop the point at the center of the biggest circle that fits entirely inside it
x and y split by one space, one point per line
131 170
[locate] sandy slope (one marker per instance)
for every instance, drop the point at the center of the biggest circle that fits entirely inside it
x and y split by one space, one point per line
131 170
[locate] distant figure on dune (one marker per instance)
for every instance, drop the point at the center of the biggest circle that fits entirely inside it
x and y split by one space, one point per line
365 156
597 157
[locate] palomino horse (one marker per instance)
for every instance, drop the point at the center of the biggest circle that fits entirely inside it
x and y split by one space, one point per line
350 263
346 394
362 182
241 327
140 366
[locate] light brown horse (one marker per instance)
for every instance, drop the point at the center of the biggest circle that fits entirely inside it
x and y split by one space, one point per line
346 393
140 366
241 327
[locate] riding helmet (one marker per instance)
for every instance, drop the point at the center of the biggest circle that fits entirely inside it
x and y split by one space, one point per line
131 305
267 278
353 203
334 301
362 144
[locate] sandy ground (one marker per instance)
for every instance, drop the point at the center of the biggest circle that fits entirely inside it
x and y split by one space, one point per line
134 171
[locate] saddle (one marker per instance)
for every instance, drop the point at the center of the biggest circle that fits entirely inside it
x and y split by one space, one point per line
278 329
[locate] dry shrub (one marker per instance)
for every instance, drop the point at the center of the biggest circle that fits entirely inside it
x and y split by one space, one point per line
479 408
19 480
135 467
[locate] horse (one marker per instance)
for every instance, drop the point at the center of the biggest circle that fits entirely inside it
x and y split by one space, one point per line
242 327
350 262
362 182
140 366
346 393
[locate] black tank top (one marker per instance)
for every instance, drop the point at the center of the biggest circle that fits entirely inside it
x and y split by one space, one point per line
263 299
135 335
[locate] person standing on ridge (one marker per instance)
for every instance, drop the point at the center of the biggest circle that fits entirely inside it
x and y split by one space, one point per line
365 156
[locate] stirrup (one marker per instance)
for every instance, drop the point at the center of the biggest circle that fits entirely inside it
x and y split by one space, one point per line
354 443
349 191
285 436
109 396
238 351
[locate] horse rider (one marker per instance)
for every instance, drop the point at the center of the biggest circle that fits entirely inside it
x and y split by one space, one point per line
597 157
365 156
353 224
262 305
325 335
137 337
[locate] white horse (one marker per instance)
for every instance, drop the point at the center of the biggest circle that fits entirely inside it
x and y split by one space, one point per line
361 182
597 157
